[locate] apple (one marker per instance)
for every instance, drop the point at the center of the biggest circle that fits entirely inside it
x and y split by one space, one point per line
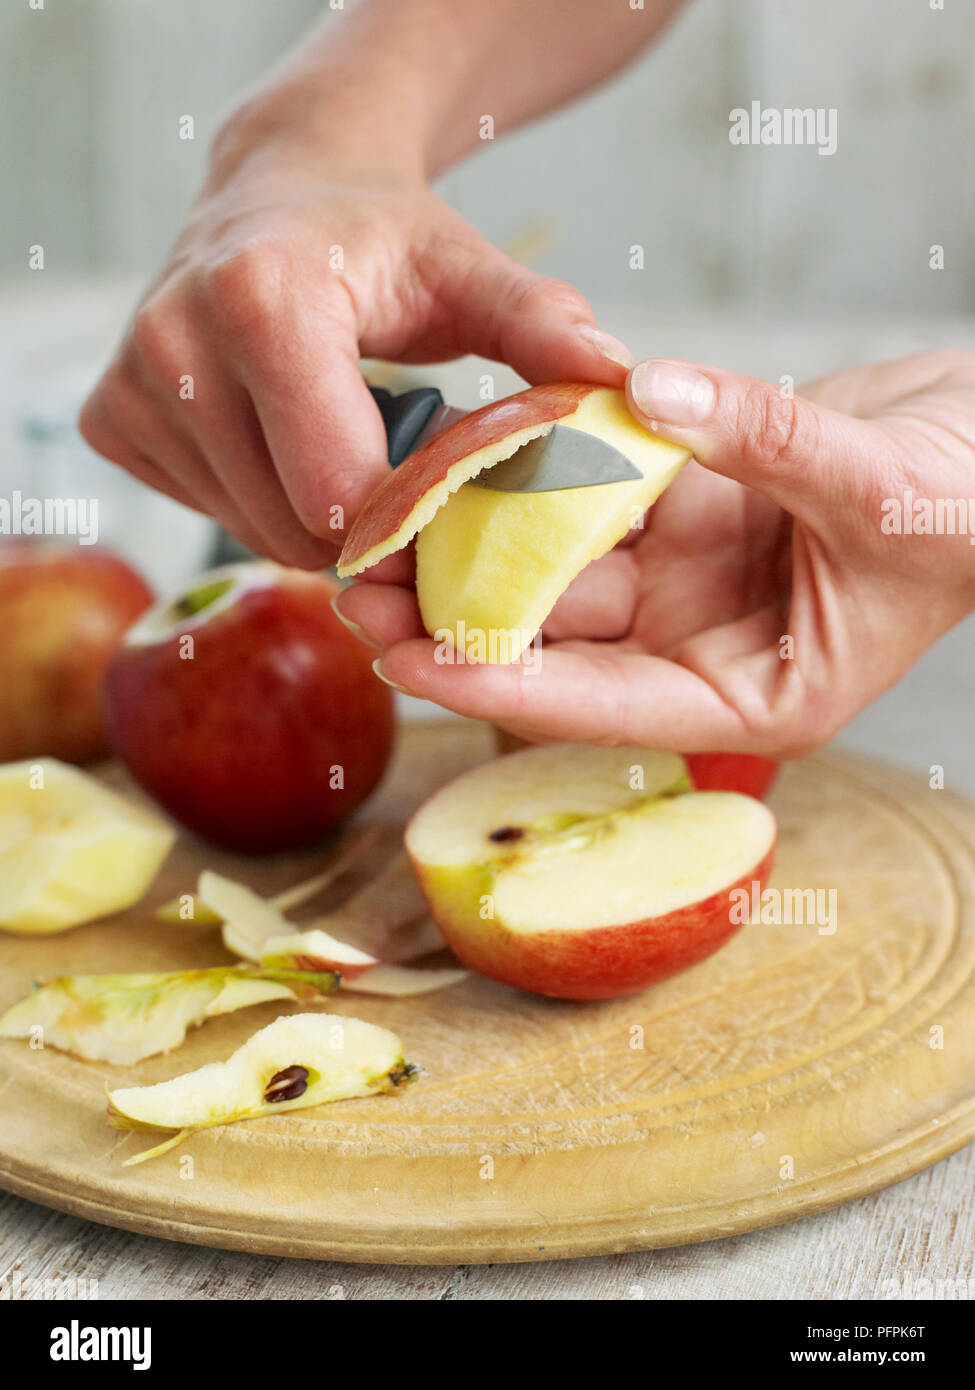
70 849
584 872
124 1018
62 614
248 710
295 1062
490 564
748 773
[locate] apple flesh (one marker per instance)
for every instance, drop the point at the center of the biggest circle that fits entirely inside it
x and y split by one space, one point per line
62 614
584 872
70 849
124 1018
293 1063
490 564
249 711
748 773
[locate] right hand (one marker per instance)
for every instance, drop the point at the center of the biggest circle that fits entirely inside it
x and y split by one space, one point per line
281 442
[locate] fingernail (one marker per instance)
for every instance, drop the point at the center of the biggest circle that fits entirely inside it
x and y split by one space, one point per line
378 668
607 345
354 628
671 393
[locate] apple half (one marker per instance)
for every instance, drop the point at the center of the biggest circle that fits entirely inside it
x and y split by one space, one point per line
295 1062
490 564
584 872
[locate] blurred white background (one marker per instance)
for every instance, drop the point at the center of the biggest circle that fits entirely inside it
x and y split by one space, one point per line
770 260
94 89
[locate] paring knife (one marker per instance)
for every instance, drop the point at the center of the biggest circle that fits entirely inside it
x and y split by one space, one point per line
562 458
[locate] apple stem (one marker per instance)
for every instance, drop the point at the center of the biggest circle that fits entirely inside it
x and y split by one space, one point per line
188 605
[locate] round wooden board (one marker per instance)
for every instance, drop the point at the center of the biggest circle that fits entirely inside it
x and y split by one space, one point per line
791 1072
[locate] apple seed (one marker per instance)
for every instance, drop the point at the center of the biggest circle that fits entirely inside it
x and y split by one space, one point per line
287 1085
506 833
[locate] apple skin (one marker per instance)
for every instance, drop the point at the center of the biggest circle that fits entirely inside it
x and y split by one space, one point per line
378 529
62 614
600 963
748 773
240 743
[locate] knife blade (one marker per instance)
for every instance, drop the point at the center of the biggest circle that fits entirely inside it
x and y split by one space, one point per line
564 458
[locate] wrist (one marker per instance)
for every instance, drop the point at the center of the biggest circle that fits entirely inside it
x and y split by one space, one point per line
336 123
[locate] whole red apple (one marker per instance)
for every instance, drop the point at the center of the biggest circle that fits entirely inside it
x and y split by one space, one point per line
248 710
62 614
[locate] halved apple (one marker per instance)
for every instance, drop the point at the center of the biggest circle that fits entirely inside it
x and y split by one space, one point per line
585 872
304 1060
123 1018
70 849
490 565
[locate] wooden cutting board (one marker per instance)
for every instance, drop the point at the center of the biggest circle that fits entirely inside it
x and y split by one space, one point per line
791 1072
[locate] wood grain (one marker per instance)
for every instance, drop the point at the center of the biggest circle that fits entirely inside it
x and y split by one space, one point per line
540 1130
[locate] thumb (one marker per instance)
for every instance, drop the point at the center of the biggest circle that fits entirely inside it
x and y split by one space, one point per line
543 328
803 456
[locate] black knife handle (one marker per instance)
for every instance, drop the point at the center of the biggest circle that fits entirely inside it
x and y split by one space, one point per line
405 416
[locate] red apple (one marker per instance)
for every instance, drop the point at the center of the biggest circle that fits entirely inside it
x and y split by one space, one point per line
748 773
249 711
62 614
408 497
490 562
585 872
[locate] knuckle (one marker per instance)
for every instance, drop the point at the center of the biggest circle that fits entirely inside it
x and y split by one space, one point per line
246 289
93 423
770 426
153 337
541 293
804 723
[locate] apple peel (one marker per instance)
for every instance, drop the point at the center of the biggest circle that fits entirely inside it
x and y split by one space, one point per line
123 1018
315 950
399 981
410 497
491 564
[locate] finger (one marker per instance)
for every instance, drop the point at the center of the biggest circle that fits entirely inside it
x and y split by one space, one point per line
222 421
296 351
95 430
543 328
380 613
126 428
599 603
588 692
812 461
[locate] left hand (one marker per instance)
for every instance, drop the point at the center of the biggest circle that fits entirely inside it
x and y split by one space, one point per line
673 639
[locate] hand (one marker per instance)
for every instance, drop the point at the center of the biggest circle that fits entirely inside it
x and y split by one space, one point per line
277 436
675 639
